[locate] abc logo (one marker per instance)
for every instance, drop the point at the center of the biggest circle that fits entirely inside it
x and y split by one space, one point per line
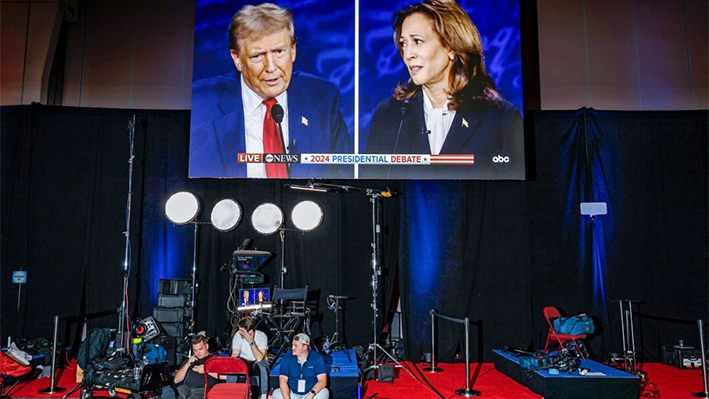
501 159
269 158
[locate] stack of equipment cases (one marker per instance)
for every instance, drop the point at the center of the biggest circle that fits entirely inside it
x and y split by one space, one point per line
174 306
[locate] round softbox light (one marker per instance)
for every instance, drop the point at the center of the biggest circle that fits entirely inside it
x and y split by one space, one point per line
267 218
226 215
182 207
307 216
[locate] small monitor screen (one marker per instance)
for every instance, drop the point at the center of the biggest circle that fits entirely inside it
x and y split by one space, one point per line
254 296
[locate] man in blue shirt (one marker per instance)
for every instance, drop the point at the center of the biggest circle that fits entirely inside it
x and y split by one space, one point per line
303 374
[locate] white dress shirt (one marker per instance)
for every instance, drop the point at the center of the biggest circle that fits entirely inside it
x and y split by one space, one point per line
438 122
254 114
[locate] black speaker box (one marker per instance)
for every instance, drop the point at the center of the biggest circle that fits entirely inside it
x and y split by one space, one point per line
177 330
175 286
172 300
169 315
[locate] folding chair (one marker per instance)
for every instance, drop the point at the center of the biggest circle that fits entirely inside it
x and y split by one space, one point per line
224 366
295 300
293 313
551 313
12 373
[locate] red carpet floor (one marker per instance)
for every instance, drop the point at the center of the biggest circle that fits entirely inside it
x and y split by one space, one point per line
670 382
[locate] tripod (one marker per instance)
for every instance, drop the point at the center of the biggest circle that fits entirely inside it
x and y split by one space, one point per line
333 302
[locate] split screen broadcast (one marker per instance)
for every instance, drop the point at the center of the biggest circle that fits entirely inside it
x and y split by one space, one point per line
367 89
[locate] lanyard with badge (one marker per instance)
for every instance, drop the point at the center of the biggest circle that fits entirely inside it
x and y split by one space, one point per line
301 381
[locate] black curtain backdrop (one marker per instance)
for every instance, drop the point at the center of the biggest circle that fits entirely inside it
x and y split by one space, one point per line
493 251
651 169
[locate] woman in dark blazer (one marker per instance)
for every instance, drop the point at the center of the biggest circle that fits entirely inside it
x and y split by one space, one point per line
449 105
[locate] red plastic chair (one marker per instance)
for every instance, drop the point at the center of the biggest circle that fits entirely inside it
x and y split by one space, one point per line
551 313
224 365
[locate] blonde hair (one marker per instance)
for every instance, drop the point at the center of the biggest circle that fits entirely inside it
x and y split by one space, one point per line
468 81
259 20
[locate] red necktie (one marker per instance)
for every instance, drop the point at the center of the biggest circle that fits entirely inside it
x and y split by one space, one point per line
272 143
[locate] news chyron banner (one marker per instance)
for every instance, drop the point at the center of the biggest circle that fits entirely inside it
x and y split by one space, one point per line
319 99
388 165
361 159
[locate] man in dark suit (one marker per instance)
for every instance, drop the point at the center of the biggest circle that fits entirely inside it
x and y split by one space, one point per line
236 113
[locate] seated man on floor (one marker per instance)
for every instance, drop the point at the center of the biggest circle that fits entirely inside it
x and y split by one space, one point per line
303 373
191 374
251 345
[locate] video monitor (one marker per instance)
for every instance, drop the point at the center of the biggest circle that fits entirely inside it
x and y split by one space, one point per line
399 90
254 296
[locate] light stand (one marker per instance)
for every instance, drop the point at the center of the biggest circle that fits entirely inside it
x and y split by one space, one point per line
123 332
375 197
192 312
184 208
284 270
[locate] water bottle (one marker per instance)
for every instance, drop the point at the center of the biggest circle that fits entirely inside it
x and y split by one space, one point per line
137 349
326 345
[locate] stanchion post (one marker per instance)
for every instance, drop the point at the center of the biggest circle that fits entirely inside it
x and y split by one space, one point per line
704 394
433 368
51 389
467 392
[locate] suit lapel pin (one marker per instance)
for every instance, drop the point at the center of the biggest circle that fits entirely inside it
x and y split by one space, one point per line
303 120
465 123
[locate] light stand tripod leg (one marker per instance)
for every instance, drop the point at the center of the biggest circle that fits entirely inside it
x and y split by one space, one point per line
72 390
398 363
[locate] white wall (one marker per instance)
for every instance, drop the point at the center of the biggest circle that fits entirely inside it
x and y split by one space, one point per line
604 54
623 55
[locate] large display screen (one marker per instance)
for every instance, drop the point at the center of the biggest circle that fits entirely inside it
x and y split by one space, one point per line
442 102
